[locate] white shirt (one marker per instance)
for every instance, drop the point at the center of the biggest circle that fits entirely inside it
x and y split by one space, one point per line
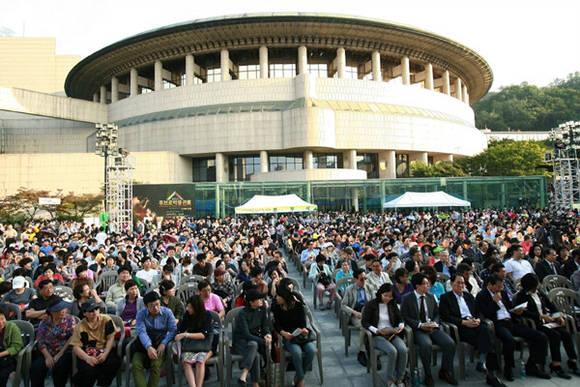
147 275
502 313
463 308
518 268
384 320
538 302
419 305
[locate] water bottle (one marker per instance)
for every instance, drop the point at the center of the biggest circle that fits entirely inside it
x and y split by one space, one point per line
416 377
522 370
421 377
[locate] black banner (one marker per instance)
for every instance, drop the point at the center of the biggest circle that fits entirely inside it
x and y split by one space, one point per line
151 200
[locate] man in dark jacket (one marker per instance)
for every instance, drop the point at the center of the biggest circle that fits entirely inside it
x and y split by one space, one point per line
549 265
495 305
458 307
572 263
421 313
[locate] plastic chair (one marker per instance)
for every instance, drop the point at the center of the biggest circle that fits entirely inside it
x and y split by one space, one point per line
554 281
567 302
191 278
129 366
374 354
14 312
64 292
106 280
24 357
217 359
348 281
285 354
228 335
185 291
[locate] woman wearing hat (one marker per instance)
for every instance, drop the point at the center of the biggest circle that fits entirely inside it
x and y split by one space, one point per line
20 294
93 341
53 336
10 345
290 317
251 331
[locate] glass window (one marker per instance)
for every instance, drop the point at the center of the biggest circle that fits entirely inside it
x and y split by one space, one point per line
249 72
318 70
368 162
327 160
214 75
403 165
241 167
204 169
279 70
289 162
168 85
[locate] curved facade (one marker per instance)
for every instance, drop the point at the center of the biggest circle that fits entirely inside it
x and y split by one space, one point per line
282 97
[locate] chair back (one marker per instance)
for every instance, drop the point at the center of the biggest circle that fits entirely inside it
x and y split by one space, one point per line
185 291
564 299
106 280
191 278
295 283
442 277
26 330
64 292
230 321
553 281
14 312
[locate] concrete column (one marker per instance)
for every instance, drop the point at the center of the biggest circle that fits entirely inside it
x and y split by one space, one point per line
307 158
376 66
114 89
189 70
387 165
429 76
465 95
406 71
420 156
263 161
96 97
446 83
225 65
458 89
263 62
133 76
103 93
302 60
340 62
349 159
158 75
221 168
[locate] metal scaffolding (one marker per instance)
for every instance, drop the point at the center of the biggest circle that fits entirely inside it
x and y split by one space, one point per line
566 166
120 192
119 166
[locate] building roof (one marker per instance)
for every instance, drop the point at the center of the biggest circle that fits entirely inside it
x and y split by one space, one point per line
248 31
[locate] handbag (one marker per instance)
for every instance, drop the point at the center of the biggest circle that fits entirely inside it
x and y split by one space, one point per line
303 339
195 346
324 279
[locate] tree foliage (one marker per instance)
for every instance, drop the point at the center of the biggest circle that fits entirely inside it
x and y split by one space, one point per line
24 204
526 107
507 158
439 169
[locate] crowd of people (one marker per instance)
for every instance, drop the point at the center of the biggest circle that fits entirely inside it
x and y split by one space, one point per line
491 261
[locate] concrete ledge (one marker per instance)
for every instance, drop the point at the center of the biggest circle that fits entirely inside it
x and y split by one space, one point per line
47 105
310 175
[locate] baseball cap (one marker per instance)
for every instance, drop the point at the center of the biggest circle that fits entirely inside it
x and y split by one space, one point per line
18 282
90 305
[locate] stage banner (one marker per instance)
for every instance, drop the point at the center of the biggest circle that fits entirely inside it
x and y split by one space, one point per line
152 200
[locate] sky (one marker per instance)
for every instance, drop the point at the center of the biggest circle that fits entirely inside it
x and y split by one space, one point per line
523 41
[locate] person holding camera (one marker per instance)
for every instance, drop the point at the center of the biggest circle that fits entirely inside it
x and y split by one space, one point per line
321 274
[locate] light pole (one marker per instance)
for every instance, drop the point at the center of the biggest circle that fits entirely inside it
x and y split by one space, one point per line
106 146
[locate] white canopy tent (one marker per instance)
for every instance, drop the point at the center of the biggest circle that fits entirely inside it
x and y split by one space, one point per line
426 199
262 204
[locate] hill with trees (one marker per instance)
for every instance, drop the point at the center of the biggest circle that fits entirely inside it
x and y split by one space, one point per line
530 108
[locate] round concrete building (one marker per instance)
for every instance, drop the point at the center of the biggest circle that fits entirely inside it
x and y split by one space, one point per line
289 97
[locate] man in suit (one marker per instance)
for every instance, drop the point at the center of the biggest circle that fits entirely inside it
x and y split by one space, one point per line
549 265
356 296
572 263
458 307
494 304
419 309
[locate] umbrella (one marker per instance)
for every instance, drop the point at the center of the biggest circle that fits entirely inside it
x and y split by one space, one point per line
46 233
170 238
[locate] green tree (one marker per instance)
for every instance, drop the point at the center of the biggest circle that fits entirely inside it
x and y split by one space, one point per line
439 169
507 158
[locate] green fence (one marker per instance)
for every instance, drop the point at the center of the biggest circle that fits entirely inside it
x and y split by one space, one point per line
212 199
